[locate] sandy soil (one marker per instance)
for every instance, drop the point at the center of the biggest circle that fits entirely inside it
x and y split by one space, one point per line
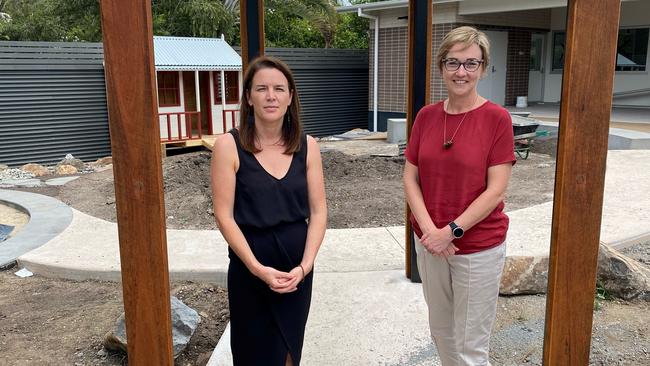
50 321
12 217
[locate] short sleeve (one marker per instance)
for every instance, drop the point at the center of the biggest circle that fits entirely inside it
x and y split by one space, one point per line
413 145
503 146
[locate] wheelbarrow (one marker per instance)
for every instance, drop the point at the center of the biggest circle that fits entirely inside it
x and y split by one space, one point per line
525 131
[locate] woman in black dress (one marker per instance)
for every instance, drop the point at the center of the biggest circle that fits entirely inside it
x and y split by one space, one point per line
269 202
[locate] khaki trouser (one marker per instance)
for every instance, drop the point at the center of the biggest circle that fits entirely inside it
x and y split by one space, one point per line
461 293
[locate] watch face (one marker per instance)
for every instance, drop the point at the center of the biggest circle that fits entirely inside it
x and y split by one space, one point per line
458 232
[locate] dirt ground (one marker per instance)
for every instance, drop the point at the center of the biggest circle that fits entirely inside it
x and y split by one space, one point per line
49 321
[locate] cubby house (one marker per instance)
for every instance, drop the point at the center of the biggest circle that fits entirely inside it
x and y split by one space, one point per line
199 86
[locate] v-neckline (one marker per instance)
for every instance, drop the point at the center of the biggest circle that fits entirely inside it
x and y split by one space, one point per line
293 156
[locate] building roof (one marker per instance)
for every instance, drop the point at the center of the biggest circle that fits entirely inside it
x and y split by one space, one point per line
186 53
384 5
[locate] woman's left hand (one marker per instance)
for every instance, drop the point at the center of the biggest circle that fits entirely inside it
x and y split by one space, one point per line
291 283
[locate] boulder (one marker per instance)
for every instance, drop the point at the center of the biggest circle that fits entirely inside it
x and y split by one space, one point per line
185 320
71 160
3 167
65 169
104 161
36 169
524 275
621 276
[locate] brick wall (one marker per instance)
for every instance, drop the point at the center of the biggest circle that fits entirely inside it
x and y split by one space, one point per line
518 64
393 78
393 60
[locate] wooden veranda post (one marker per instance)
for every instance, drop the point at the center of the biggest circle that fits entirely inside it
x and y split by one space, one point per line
419 81
252 30
135 142
592 29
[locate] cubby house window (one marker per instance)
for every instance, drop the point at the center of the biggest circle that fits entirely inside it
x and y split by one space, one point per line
168 89
232 87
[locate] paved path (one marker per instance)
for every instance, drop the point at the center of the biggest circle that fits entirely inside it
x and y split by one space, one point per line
363 307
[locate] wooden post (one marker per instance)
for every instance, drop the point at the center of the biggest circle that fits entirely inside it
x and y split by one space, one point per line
592 29
251 30
135 141
419 81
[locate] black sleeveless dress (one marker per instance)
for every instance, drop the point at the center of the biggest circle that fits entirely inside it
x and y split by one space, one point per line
266 326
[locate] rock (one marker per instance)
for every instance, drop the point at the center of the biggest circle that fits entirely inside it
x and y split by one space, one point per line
65 169
621 276
524 275
185 320
3 167
71 160
104 161
36 169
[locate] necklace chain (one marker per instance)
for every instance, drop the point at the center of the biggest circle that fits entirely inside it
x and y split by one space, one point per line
447 143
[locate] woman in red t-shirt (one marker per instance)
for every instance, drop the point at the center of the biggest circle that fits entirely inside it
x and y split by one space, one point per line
459 160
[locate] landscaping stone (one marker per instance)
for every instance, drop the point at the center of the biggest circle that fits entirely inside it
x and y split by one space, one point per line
3 167
621 276
66 169
185 320
71 160
36 169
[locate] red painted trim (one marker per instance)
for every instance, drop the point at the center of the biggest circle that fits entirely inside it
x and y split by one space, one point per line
232 118
190 123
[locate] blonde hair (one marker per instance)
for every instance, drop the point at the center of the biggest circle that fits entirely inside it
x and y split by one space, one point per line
467 36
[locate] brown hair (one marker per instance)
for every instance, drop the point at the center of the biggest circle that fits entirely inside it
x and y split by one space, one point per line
291 126
468 36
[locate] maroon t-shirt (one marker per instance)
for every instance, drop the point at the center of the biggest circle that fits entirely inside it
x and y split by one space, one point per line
451 179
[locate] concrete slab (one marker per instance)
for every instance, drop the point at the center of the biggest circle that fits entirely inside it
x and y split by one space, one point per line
362 318
30 182
89 249
60 180
619 138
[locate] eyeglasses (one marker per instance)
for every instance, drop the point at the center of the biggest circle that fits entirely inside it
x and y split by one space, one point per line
471 65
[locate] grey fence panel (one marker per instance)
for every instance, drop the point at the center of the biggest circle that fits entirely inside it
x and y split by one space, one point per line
52 102
333 87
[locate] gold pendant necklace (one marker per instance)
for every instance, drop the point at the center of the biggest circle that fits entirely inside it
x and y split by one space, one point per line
447 143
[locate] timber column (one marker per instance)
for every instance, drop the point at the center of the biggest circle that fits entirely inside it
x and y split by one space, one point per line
135 143
591 37
251 30
419 81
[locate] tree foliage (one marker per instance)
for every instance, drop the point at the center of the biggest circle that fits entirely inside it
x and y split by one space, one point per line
288 23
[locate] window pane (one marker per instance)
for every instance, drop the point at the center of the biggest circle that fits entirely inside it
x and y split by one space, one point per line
232 87
632 49
559 40
536 54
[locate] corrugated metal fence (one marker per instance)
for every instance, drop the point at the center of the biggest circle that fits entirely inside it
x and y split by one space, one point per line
53 97
52 102
333 87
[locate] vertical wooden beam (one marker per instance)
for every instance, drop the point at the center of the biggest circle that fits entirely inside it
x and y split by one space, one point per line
251 30
135 141
419 81
592 30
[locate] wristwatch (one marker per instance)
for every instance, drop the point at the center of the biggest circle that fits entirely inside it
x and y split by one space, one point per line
456 230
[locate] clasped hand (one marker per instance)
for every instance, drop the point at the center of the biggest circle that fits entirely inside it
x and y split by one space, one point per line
438 242
281 282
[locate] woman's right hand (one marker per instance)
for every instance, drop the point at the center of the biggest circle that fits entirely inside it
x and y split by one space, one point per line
278 281
438 242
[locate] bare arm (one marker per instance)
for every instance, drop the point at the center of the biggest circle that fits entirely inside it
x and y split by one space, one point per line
433 239
224 167
317 204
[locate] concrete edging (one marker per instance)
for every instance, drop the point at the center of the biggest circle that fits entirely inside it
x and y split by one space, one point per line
48 217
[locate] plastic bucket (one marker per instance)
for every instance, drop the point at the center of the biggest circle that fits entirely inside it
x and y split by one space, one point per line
522 102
